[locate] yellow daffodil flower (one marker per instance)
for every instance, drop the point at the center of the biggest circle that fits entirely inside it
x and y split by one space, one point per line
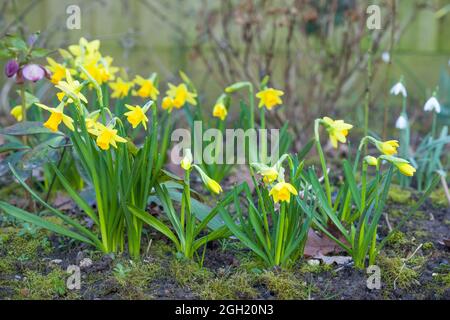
121 88
167 104
405 168
136 115
84 47
269 98
282 192
220 111
180 95
16 112
147 88
58 71
91 119
186 162
269 174
337 129
106 136
70 87
211 184
56 117
388 147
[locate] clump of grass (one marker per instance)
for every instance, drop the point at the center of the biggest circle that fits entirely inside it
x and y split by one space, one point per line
399 195
284 285
236 286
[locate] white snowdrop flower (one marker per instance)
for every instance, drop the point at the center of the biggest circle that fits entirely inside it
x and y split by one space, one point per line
399 88
401 123
386 57
432 104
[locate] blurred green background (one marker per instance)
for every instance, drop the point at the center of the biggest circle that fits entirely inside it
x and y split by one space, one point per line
217 42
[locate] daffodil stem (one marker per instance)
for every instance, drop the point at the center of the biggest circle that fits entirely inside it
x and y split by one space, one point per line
251 100
280 233
264 139
368 85
363 186
322 160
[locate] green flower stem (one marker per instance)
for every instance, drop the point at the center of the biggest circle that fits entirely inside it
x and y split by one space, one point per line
280 233
434 125
363 186
322 160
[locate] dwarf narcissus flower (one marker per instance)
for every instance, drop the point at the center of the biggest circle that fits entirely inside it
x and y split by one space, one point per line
337 130
58 71
147 88
70 87
402 165
136 115
269 98
56 117
186 162
388 147
91 119
180 95
371 161
282 192
211 184
270 174
120 88
399 88
405 168
432 104
401 123
167 104
16 112
106 136
220 111
84 47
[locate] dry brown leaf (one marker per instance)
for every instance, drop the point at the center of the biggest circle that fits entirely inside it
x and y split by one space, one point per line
320 245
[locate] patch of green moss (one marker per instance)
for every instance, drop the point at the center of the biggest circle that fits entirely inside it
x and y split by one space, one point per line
397 238
421 234
319 268
284 285
187 271
160 249
236 286
134 277
399 273
428 246
399 195
438 198
37 286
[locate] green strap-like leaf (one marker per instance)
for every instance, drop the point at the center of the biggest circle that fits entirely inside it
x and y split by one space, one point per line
38 221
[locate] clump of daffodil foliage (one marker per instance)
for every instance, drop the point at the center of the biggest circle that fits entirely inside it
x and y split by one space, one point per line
92 111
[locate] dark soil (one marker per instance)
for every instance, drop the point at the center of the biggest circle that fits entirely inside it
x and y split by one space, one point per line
29 268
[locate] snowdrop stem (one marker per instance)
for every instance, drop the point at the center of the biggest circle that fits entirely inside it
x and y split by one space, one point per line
433 125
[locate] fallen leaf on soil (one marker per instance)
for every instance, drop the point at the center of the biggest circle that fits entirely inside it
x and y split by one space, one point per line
242 174
63 202
320 245
446 242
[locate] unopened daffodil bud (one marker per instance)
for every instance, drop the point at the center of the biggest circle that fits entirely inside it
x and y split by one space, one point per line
388 147
371 161
186 162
